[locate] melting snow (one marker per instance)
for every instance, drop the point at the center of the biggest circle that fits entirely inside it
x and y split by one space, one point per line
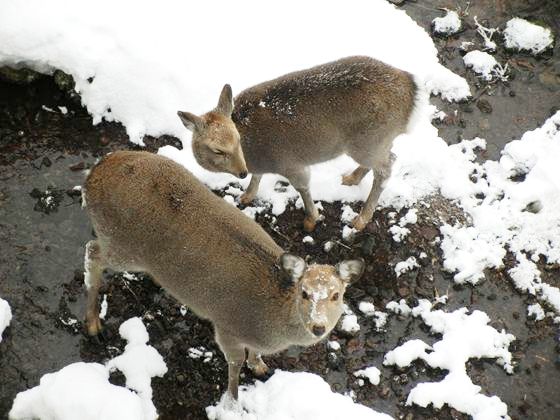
464 336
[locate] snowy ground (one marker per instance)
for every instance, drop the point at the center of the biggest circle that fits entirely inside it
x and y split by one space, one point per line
510 205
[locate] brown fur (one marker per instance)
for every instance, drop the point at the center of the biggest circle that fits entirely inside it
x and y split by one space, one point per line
354 106
208 255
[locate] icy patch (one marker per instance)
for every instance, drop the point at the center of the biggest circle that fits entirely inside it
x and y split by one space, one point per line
5 316
481 63
372 374
464 336
523 35
448 24
288 395
58 397
405 266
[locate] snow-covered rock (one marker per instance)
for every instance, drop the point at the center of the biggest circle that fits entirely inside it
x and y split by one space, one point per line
521 34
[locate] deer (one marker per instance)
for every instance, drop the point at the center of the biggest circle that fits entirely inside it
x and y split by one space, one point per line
151 215
355 106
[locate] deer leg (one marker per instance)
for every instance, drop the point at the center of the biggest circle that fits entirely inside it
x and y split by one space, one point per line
356 176
381 174
256 364
235 357
93 270
249 195
300 181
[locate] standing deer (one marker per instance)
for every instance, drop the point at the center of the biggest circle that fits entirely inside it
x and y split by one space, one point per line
151 215
355 106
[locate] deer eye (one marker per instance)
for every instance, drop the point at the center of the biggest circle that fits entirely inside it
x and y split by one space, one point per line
219 152
335 296
304 295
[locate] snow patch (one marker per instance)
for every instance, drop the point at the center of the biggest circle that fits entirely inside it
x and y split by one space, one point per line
464 336
448 24
372 374
521 34
481 62
5 316
58 397
291 395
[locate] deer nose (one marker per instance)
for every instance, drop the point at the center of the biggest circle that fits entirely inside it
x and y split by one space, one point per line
318 330
243 174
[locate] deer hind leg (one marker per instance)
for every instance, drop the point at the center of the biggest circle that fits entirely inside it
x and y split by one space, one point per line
356 176
300 181
256 364
381 173
93 270
248 196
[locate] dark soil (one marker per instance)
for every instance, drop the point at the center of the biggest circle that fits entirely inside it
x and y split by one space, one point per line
43 154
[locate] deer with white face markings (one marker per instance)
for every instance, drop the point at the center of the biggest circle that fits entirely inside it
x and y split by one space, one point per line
152 215
354 106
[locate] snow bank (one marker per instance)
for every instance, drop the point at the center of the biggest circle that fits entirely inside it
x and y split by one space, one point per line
523 35
5 316
287 396
84 388
464 336
141 77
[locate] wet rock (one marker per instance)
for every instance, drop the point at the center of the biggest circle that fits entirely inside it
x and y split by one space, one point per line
20 76
403 291
484 124
78 166
367 245
64 81
484 106
383 391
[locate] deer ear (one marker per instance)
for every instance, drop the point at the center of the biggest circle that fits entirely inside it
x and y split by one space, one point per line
225 103
350 270
292 267
191 121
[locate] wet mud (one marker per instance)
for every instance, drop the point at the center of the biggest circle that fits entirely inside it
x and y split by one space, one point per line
43 230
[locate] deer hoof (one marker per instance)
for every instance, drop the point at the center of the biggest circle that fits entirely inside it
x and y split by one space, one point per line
259 369
309 223
349 180
93 326
359 223
246 199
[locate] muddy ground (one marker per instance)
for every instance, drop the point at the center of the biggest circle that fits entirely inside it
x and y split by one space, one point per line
43 153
